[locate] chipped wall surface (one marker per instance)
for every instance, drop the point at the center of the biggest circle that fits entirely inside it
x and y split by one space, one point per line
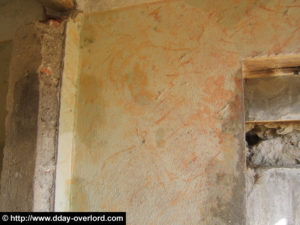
158 119
50 71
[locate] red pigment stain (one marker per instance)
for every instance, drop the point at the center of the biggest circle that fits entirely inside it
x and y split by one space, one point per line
214 88
46 71
190 159
238 84
54 23
155 13
236 108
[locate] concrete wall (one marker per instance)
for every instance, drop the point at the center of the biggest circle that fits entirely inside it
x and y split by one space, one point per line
15 13
27 181
33 101
158 123
21 126
5 52
272 98
275 199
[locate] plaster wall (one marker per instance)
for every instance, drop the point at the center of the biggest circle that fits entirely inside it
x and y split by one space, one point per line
69 92
157 129
92 6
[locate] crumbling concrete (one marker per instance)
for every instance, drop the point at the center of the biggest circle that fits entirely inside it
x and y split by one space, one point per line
28 174
273 146
50 71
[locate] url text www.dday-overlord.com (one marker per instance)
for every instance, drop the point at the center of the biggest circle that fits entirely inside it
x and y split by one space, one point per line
67 218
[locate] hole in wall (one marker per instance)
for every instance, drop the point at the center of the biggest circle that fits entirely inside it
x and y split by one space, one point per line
273 145
252 139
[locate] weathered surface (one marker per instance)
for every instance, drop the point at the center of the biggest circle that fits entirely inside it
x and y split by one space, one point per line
5 52
27 181
158 127
282 65
273 146
21 124
50 70
276 146
272 98
274 197
154 129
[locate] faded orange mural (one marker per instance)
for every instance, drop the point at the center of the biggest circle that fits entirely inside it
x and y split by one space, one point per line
159 111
